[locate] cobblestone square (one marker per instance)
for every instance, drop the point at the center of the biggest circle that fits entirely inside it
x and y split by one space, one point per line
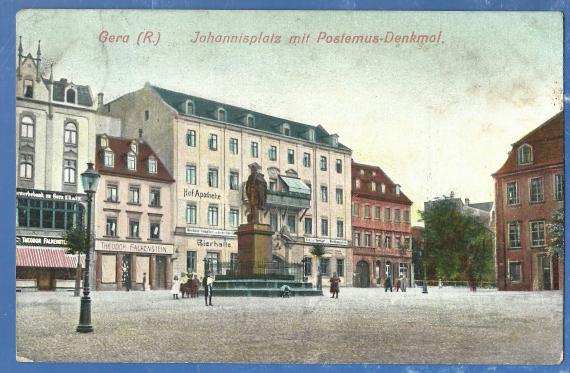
363 326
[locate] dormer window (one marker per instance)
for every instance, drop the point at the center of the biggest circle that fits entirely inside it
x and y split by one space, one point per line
189 107
361 172
134 147
397 190
334 140
383 188
373 186
250 120
357 184
70 95
109 158
311 135
286 129
525 154
152 166
104 142
221 114
132 161
28 88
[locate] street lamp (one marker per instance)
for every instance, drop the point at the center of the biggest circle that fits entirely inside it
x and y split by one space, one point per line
89 179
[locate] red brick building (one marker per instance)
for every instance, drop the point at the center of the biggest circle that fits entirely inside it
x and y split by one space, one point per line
381 229
529 187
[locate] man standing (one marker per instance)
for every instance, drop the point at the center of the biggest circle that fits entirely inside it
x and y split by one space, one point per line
387 284
335 281
208 283
195 286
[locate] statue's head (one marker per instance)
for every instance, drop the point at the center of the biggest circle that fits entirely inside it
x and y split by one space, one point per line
254 167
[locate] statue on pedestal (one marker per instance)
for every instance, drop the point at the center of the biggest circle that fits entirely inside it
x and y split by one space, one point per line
256 191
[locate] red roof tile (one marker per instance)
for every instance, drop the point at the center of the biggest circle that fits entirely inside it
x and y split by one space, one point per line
379 178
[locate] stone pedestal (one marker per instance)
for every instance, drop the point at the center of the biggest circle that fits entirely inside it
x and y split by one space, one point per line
254 248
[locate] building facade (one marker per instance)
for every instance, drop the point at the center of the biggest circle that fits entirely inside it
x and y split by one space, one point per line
134 240
381 228
56 123
529 188
208 147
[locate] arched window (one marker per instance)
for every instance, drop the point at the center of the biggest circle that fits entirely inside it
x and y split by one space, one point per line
525 154
69 173
70 96
250 121
134 147
26 166
221 115
27 128
189 107
104 141
70 134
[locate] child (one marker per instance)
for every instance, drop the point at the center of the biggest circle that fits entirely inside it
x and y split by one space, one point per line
175 288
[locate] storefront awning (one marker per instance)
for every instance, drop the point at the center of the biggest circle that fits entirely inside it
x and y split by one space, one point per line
45 257
295 185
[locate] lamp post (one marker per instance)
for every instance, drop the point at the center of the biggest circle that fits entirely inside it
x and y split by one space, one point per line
89 179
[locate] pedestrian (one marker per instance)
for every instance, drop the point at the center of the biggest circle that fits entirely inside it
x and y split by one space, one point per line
404 284
387 284
175 290
184 283
144 282
208 284
335 281
440 284
398 283
194 287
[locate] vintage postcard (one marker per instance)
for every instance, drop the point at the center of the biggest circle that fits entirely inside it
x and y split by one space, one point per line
289 187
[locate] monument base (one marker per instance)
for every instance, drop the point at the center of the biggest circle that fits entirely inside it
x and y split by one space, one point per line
254 248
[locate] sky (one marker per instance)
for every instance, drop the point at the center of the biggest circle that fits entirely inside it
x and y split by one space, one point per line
436 117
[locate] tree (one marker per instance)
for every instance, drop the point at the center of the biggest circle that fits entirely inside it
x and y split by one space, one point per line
458 245
318 251
77 242
556 234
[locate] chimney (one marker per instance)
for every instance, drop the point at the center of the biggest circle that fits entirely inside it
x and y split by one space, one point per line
466 201
100 101
140 135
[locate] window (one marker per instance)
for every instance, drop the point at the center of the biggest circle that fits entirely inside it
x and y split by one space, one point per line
357 184
254 149
373 186
111 227
308 225
377 212
233 146
234 180
131 162
234 218
308 266
213 215
378 240
403 270
398 242
104 142
155 197
134 147
387 214
191 174
70 96
325 266
407 243
273 221
291 156
324 194
367 239
27 128
324 227
367 211
191 214
558 187
272 153
34 213
250 121
340 267
273 185
213 142
191 261
537 233
152 166
514 229
189 107
112 193
383 188
355 209
133 229
221 115
339 196
134 195
146 115
109 158
191 138
213 260
387 241
406 216
339 166
213 177
340 228
515 271
311 135
291 223
28 88
512 194
306 159
396 215
155 231
286 129
70 135
356 238
536 190
69 173
26 166
323 163
525 154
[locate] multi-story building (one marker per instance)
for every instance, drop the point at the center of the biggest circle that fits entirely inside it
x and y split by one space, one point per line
381 229
56 123
134 240
208 147
529 188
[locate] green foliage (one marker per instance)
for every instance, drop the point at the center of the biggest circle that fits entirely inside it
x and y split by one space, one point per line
556 233
457 246
317 251
76 240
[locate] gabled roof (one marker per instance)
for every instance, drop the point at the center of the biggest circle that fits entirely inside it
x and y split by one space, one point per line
236 116
121 147
379 177
547 147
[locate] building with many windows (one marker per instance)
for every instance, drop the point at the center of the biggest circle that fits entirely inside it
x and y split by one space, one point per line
529 188
134 238
208 147
56 124
381 228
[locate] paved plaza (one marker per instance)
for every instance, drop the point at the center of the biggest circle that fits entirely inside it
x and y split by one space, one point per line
363 326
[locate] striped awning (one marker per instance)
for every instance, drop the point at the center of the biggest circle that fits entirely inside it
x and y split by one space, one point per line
45 257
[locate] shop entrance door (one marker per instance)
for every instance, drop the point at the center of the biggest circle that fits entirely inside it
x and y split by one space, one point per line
544 263
160 272
44 280
362 279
